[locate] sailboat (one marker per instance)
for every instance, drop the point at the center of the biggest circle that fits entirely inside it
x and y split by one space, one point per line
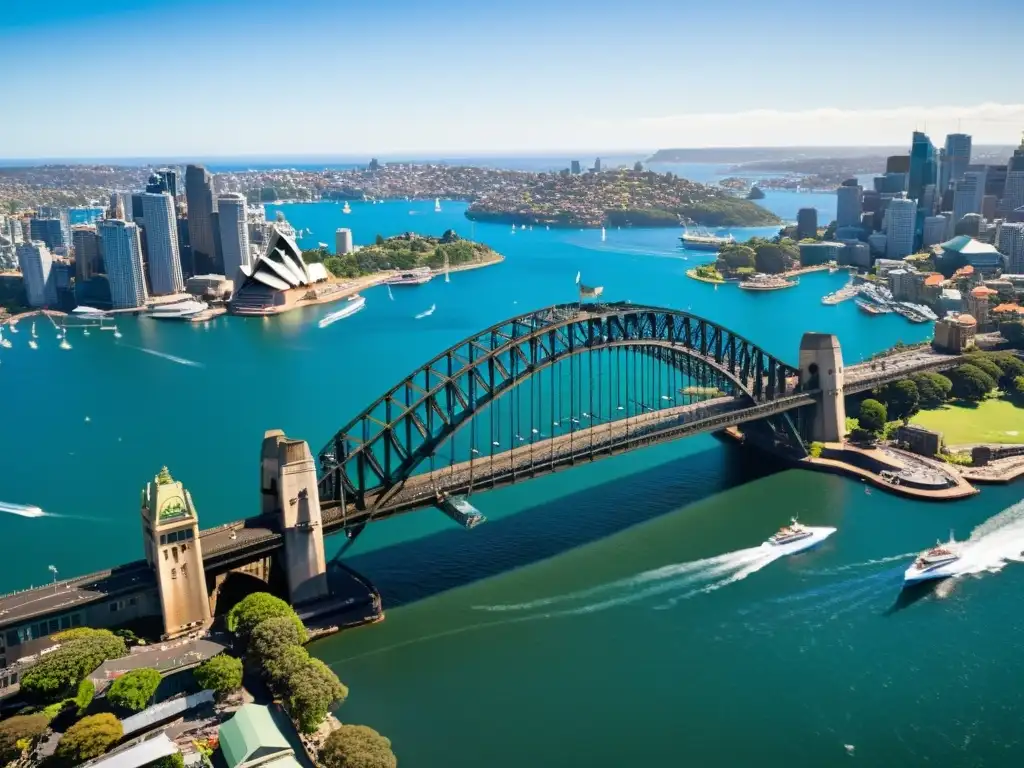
34 334
437 205
117 333
346 208
64 343
447 269
33 344
604 235
5 343
13 328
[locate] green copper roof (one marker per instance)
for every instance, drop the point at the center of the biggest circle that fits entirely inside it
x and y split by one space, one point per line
251 734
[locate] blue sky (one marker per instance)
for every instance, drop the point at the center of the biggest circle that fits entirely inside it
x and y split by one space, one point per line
265 77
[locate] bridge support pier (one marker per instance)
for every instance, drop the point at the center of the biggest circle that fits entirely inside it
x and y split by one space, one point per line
821 367
288 488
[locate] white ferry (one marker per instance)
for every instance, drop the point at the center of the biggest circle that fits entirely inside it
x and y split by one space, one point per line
352 305
939 562
178 310
417 276
702 240
797 537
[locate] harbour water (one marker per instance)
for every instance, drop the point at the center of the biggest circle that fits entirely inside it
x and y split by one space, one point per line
613 614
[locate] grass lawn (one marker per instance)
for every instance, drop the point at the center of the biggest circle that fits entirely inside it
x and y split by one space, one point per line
992 421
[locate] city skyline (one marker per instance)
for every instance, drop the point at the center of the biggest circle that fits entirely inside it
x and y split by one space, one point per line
457 78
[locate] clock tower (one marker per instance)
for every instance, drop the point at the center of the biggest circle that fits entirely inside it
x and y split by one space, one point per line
171 539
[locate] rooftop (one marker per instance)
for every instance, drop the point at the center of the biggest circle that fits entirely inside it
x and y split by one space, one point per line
968 246
251 736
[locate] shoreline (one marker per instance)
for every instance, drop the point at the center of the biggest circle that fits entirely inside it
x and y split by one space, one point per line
692 274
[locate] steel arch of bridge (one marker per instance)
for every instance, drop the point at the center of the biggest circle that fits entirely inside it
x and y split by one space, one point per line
420 413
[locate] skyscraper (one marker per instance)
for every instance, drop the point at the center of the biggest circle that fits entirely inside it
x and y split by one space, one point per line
86 242
201 205
970 191
956 158
806 223
574 167
1011 245
61 214
935 230
122 257
1013 192
234 234
848 206
162 244
49 231
901 218
922 165
36 265
343 241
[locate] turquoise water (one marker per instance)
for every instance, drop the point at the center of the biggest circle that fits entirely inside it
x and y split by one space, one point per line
608 615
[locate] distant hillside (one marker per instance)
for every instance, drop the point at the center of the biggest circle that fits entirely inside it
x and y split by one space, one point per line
988 153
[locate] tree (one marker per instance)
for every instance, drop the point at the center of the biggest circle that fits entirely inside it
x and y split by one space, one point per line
987 364
737 256
1013 332
1017 390
133 690
312 690
279 669
57 675
872 416
88 738
772 259
970 383
256 608
379 240
932 388
1010 367
20 728
901 399
171 761
84 696
222 674
272 636
357 746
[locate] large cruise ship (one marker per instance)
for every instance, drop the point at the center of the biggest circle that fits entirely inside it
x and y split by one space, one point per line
178 310
939 562
702 240
417 276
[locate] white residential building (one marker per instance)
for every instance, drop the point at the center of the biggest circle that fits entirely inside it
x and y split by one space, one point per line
901 219
122 258
234 236
36 265
162 244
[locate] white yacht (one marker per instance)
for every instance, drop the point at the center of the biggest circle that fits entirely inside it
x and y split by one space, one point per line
797 537
89 313
787 534
178 310
33 344
935 563
437 205
352 305
346 208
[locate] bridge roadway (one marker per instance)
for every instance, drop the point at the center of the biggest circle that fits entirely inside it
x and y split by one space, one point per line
865 376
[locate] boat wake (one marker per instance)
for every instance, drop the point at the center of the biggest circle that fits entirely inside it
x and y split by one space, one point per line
679 581
996 542
427 312
23 510
166 356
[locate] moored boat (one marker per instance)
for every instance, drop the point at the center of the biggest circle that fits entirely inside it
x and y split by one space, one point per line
417 276
178 310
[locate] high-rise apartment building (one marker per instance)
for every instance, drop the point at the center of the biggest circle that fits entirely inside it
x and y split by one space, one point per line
934 231
970 191
956 158
62 215
164 180
49 231
806 223
1011 245
343 241
122 258
36 265
234 234
848 206
201 206
162 244
901 218
86 242
922 165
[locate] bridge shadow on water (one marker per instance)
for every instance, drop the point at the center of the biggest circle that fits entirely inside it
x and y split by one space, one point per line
417 569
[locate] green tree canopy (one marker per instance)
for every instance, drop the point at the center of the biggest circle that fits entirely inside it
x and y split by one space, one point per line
773 259
357 746
280 668
379 240
1013 332
312 690
57 674
932 388
19 728
256 608
272 636
221 674
88 738
737 256
970 383
987 364
901 399
83 697
1010 367
171 761
872 416
133 690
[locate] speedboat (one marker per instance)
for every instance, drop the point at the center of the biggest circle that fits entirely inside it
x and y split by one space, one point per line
353 305
935 563
797 537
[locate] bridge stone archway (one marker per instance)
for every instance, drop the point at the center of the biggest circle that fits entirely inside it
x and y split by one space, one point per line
389 442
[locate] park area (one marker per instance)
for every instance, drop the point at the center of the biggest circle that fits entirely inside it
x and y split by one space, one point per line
993 420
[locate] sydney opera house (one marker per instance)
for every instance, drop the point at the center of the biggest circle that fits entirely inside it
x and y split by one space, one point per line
280 280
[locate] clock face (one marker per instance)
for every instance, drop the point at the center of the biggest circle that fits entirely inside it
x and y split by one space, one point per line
172 507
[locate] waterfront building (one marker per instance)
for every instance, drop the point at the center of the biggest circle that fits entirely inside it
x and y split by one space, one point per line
955 333
49 231
122 258
934 230
806 223
922 165
848 205
201 206
968 194
901 283
278 280
814 254
164 260
1011 245
86 242
343 241
210 287
956 158
36 265
900 225
232 219
856 254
